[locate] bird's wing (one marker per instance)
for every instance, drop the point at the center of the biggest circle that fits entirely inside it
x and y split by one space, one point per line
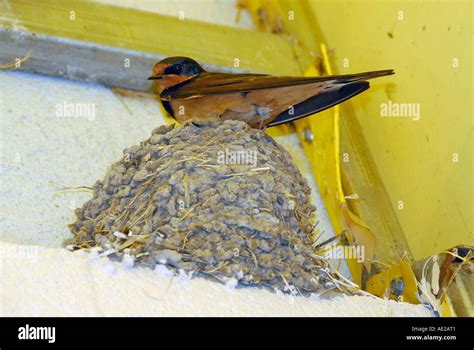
324 99
219 83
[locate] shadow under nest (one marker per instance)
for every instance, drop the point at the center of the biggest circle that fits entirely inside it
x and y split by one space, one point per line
213 198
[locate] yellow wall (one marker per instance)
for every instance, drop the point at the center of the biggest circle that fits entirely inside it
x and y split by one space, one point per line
420 40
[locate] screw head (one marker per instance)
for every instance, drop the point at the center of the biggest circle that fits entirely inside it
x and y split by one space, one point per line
308 135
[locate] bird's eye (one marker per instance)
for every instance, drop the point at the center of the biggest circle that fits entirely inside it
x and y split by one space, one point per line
177 68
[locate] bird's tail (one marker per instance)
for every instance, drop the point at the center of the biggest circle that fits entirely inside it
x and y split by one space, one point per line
350 78
339 89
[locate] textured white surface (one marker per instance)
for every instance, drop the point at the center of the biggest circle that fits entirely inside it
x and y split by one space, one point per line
38 281
41 152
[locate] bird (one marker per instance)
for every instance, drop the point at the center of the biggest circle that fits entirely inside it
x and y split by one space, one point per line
187 91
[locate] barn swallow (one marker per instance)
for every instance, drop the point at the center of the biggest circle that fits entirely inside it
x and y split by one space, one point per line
187 91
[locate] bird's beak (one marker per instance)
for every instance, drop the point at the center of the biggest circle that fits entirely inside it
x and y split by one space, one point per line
156 77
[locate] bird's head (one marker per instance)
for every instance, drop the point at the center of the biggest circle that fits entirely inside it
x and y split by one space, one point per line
174 70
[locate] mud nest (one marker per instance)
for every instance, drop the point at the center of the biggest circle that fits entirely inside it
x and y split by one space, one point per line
217 199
